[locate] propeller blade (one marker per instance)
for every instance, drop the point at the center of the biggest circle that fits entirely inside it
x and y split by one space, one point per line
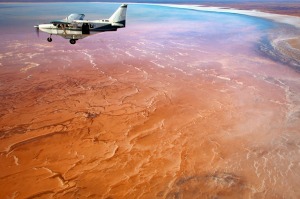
37 30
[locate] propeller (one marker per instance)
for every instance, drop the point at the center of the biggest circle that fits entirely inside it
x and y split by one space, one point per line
37 30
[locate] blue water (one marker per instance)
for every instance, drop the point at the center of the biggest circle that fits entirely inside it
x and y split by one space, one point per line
22 16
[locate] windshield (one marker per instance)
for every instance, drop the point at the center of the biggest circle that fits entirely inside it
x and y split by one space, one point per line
73 17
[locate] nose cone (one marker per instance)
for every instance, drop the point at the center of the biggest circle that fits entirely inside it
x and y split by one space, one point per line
45 26
48 28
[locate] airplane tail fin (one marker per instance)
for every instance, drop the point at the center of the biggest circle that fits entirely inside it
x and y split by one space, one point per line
119 17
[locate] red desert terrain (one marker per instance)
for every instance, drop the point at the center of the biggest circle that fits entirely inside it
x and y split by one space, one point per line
127 116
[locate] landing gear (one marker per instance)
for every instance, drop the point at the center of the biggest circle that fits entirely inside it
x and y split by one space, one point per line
72 41
49 39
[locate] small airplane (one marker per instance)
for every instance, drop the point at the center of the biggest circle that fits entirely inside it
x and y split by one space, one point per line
74 27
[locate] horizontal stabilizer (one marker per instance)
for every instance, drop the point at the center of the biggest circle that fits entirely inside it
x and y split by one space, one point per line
117 24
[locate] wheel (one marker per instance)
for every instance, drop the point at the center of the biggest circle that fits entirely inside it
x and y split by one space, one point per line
72 41
49 39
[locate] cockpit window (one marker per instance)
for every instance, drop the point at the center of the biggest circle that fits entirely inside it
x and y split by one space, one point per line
73 17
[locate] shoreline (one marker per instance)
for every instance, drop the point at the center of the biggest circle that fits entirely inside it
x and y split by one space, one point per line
279 18
288 54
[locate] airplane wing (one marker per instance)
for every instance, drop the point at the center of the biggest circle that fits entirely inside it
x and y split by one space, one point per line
103 21
82 21
59 22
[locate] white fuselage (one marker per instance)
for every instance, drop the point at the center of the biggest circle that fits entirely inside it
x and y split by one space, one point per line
75 29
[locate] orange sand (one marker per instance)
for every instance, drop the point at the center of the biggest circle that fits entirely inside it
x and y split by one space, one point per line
117 126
